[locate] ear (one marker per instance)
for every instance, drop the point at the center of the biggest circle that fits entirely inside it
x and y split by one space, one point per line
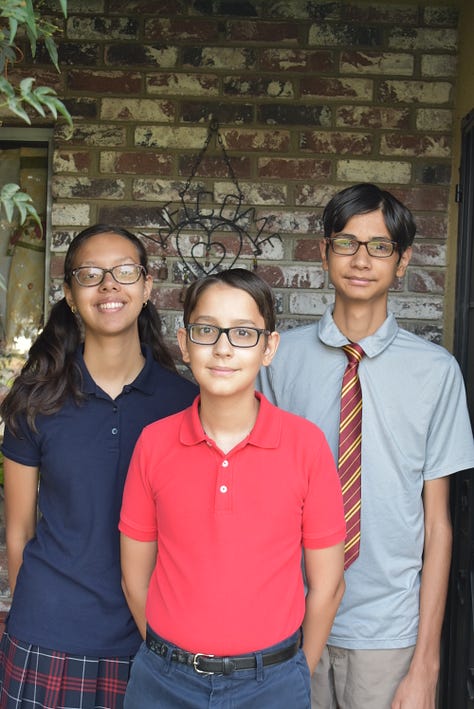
147 286
405 259
271 346
68 295
323 250
182 336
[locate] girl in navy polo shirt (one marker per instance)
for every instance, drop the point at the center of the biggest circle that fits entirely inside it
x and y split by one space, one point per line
96 375
219 501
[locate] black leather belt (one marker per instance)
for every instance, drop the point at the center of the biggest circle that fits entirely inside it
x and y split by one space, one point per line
212 665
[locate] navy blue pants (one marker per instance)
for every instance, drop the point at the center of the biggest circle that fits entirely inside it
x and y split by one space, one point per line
157 682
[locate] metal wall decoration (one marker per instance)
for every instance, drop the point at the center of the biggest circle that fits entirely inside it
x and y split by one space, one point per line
210 238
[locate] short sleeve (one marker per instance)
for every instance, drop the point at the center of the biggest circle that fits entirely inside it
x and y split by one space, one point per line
323 514
138 515
450 446
23 448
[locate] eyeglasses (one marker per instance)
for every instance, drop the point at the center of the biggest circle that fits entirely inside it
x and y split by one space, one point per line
126 274
202 334
349 245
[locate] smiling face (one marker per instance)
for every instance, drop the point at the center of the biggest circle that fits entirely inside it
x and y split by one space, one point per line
109 308
221 369
361 278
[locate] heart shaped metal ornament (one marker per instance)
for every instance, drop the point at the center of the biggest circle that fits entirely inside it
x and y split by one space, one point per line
210 237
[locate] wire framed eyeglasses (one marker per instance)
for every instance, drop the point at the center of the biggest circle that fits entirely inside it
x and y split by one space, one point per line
349 245
125 274
242 336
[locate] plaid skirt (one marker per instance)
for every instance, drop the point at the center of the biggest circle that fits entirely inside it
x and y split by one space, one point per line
33 677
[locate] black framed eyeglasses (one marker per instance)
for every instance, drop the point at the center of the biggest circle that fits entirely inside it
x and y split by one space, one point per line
242 336
125 274
349 245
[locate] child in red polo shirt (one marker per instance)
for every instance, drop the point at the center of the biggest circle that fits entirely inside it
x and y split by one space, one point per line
219 501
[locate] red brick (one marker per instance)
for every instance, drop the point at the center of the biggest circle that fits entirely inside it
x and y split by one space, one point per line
294 168
308 249
429 198
181 29
432 226
261 140
103 82
383 13
426 281
337 87
297 60
435 146
261 31
215 166
56 268
372 117
138 163
337 143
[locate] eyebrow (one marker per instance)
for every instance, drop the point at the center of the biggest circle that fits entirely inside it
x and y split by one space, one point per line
210 320
377 237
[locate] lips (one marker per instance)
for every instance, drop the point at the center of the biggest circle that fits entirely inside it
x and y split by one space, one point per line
112 305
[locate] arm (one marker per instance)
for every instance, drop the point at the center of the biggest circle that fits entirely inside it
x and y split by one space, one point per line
138 561
325 578
21 496
418 688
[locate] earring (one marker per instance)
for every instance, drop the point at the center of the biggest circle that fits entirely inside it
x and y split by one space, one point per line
73 309
144 304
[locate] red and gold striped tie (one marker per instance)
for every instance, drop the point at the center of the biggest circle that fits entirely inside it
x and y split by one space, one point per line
350 436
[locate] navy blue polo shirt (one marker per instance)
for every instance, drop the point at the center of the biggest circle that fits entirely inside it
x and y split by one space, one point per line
68 594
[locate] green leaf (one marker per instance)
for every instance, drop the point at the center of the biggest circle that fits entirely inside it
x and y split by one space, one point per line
15 107
7 196
6 88
7 55
63 4
61 109
52 51
11 198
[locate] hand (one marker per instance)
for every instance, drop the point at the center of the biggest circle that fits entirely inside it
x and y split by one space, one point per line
415 691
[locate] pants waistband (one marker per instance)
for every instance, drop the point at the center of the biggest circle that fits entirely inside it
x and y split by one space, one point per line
204 663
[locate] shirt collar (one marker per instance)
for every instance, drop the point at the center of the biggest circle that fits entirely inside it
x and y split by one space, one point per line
372 345
143 382
266 432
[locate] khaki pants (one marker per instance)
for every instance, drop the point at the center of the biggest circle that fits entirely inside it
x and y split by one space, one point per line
358 679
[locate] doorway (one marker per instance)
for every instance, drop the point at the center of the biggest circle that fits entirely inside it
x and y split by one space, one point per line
457 678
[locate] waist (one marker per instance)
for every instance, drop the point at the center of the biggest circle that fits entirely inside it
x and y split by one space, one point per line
204 663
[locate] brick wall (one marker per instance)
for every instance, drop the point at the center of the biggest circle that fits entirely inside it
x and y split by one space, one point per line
310 97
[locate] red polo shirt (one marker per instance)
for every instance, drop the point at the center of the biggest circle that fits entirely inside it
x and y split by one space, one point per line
230 527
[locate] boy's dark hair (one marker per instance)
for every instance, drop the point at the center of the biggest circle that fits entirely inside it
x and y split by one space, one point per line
51 374
366 197
247 281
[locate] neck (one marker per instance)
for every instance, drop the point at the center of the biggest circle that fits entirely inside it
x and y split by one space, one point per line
356 320
113 363
226 421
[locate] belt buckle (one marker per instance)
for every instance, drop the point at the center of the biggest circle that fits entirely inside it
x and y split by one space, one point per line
196 660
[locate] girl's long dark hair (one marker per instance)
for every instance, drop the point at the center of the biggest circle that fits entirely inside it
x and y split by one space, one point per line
51 374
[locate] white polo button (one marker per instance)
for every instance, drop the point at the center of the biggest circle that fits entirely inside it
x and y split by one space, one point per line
223 488
225 463
115 431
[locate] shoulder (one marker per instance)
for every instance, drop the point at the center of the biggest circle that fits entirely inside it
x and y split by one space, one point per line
299 338
178 382
164 426
292 424
416 347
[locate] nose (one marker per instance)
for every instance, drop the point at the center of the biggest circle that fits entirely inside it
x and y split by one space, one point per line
362 257
223 346
108 281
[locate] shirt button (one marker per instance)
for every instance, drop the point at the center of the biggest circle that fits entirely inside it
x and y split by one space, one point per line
225 463
115 431
223 488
